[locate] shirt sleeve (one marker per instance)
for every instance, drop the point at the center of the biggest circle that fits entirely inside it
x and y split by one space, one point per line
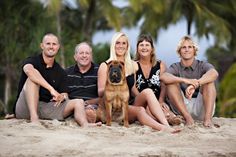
206 67
173 69
29 60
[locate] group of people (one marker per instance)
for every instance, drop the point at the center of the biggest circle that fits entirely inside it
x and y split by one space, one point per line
47 91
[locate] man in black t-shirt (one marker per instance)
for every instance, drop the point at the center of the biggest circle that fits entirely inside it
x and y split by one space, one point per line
42 92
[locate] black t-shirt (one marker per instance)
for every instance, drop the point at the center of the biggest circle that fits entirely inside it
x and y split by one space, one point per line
54 75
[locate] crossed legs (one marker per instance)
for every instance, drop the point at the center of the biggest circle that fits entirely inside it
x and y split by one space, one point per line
139 113
148 99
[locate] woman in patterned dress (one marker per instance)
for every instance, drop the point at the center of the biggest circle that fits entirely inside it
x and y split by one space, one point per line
148 75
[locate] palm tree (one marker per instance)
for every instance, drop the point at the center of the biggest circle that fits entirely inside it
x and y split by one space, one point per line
162 13
98 15
223 54
85 18
17 38
54 8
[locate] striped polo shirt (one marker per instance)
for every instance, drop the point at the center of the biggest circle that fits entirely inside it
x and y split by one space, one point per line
82 85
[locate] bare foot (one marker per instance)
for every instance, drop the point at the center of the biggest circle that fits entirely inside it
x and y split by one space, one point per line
91 115
92 124
168 129
9 116
34 120
189 121
207 123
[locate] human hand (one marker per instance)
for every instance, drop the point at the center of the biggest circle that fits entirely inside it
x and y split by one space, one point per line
165 108
57 97
189 91
193 82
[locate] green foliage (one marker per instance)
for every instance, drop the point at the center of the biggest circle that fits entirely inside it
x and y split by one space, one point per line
18 27
101 53
223 53
227 97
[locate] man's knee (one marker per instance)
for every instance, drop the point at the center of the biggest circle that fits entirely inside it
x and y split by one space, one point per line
209 88
77 103
30 85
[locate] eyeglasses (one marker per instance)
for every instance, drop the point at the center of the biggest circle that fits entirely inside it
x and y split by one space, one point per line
185 47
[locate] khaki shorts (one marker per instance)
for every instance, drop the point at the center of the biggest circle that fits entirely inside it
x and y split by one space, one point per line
46 110
194 106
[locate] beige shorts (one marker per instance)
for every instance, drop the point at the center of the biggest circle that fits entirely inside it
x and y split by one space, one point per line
46 110
194 106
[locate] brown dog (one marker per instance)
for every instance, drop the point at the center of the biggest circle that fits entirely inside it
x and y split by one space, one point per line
116 95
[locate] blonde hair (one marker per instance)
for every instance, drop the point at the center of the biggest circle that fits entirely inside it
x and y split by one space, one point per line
147 38
181 42
129 69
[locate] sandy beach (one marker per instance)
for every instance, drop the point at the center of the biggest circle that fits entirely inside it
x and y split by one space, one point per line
53 138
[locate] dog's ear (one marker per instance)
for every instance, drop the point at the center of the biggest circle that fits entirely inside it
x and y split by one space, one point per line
122 63
109 63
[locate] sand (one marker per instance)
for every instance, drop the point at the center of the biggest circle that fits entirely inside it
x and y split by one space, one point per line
53 138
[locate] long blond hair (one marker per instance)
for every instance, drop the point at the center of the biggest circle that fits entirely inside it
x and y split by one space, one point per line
129 69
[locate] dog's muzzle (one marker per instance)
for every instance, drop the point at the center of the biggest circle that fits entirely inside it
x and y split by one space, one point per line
115 75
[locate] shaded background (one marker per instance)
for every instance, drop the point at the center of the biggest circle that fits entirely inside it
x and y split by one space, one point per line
211 23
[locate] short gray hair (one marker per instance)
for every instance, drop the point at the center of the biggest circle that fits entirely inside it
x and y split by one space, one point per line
82 43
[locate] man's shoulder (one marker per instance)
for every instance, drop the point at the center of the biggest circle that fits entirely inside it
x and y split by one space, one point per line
70 69
202 63
95 65
175 65
34 59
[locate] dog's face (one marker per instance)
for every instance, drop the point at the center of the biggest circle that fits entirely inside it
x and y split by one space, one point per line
116 72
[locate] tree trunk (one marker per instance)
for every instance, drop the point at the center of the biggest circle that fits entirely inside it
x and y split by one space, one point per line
62 54
189 23
87 27
7 91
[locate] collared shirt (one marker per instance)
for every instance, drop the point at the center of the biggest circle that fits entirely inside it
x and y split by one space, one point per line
195 71
82 85
54 75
